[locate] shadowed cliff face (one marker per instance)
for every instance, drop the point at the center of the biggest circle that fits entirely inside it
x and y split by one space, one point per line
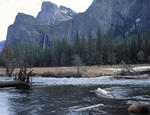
123 16
23 30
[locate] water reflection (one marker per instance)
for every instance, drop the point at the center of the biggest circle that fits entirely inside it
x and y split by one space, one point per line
4 103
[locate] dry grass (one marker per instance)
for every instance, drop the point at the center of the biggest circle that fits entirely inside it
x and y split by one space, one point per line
86 71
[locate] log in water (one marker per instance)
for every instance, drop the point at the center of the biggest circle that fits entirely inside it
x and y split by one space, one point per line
15 83
87 108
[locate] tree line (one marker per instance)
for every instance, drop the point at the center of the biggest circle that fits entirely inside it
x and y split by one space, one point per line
98 50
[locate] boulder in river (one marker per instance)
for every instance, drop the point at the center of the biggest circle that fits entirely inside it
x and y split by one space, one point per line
139 108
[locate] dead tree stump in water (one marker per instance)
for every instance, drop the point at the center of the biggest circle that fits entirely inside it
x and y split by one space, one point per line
22 80
24 75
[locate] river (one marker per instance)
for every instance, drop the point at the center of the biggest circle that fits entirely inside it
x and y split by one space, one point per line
60 96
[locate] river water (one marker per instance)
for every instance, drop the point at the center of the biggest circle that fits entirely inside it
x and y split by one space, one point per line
60 96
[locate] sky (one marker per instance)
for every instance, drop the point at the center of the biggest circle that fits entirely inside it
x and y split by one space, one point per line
10 8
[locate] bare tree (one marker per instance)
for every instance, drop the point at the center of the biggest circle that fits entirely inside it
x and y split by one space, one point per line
125 69
10 63
140 56
10 67
78 63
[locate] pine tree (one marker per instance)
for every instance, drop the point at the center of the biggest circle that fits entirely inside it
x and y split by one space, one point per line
47 56
139 40
64 50
69 54
111 59
84 50
99 48
91 49
56 53
76 44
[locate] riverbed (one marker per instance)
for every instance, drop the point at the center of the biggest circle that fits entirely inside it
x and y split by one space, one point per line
60 96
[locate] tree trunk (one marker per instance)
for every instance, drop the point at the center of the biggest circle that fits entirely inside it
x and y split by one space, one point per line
88 108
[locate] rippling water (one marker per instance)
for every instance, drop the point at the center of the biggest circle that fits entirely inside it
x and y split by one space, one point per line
54 96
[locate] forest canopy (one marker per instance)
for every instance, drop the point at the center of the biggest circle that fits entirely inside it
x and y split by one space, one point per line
99 50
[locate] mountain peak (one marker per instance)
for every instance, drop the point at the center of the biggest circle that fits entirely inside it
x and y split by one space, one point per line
67 11
25 19
52 14
48 6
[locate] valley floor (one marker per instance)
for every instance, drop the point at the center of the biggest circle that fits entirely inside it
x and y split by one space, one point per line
85 71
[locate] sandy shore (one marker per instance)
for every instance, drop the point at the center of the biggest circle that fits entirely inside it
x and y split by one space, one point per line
86 71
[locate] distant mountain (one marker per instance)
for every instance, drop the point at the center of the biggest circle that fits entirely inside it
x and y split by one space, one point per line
2 43
123 16
28 29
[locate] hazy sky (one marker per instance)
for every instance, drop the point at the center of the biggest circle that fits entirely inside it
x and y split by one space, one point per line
10 8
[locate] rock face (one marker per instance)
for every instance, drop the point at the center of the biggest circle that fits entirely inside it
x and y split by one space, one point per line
52 14
123 16
24 30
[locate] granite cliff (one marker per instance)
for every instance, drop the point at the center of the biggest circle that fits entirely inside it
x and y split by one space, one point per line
123 16
52 14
